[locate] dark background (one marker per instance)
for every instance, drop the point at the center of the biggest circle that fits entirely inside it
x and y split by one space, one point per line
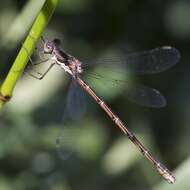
102 157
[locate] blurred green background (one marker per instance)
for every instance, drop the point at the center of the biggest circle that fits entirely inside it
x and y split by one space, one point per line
102 158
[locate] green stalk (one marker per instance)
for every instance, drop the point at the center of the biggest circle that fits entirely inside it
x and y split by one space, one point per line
23 55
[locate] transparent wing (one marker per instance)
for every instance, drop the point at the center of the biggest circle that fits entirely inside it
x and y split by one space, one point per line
146 62
75 102
137 93
75 108
145 96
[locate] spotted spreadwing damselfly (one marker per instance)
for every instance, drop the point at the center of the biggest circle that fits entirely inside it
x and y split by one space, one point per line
146 62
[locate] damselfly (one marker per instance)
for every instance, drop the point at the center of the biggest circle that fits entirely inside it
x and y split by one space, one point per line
147 62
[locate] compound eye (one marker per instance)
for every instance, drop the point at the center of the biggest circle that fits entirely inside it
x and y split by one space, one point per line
48 48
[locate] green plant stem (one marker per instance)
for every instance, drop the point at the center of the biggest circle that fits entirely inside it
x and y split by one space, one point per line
29 44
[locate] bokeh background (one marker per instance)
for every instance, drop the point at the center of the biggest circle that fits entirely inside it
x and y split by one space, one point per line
102 157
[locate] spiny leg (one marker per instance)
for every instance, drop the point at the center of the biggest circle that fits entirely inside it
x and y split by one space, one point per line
31 61
39 52
37 63
42 75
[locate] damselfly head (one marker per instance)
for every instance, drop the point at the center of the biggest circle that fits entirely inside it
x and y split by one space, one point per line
49 46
